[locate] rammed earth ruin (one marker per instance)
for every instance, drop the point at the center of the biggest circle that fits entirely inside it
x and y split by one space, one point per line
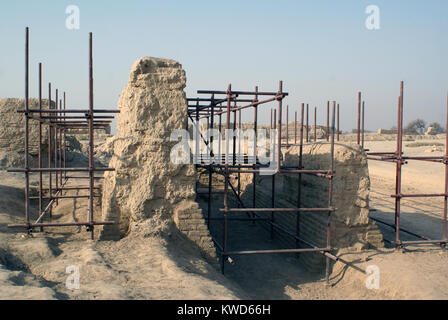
155 172
312 196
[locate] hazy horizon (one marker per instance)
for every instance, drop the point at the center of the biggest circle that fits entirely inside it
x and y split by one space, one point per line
320 49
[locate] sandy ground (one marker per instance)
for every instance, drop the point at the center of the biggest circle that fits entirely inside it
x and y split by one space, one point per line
421 270
34 266
421 215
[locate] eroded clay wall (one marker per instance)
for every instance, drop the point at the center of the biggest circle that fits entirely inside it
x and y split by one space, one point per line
350 223
148 193
12 132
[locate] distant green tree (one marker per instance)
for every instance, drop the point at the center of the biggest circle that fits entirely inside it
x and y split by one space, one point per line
417 126
437 128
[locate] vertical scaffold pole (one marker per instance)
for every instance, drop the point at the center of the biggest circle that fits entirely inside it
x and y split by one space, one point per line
50 142
60 144
210 171
287 126
330 193
254 201
299 180
91 140
65 140
226 179
27 174
40 146
55 145
362 124
445 199
307 124
338 129
273 148
328 121
399 155
295 127
358 140
279 151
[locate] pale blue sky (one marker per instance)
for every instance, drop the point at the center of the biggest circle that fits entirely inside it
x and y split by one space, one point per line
320 49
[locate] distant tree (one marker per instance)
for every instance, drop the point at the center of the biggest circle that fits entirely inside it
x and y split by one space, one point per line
415 127
437 128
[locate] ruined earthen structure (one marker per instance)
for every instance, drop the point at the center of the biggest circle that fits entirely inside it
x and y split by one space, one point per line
12 132
350 227
147 193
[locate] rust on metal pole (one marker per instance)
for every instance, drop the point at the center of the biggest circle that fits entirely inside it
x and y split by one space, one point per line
273 148
234 136
330 191
307 123
40 145
197 149
362 125
328 121
299 180
279 150
220 138
287 126
239 154
359 119
338 129
55 144
226 180
50 142
65 140
279 147
27 175
274 122
254 190
315 124
295 127
91 140
399 165
60 146
445 200
210 171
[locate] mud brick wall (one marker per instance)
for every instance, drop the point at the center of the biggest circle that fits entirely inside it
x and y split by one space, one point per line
350 223
12 132
148 193
189 219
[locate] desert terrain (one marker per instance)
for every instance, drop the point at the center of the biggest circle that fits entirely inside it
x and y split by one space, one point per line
154 266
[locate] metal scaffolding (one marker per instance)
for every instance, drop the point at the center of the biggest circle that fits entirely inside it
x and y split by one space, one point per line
59 120
231 164
400 159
